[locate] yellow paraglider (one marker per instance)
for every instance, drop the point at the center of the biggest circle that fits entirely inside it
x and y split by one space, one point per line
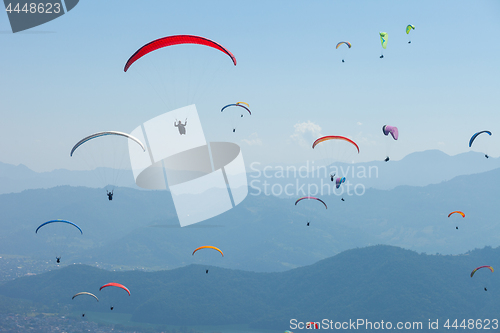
243 103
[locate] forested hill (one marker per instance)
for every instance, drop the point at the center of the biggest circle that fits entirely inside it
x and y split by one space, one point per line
375 283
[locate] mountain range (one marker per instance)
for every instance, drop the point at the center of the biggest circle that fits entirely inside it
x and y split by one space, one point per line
416 169
139 229
376 283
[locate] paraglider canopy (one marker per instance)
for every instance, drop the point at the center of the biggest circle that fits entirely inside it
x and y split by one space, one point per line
85 293
409 28
457 212
114 284
97 135
310 198
391 129
175 40
62 221
476 135
334 137
346 43
237 104
474 271
384 37
208 247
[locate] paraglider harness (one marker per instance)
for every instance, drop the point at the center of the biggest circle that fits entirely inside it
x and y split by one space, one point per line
180 126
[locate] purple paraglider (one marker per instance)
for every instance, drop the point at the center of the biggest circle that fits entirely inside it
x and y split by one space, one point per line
391 129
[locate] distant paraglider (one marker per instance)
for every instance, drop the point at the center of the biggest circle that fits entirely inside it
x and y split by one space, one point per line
473 138
393 130
117 285
58 257
409 28
208 247
340 43
85 293
105 156
476 269
234 117
59 235
334 149
339 181
456 212
310 198
384 37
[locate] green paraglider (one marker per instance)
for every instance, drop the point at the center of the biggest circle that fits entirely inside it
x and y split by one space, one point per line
409 28
384 37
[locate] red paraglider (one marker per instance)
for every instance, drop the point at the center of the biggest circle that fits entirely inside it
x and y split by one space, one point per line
175 40
114 284
334 137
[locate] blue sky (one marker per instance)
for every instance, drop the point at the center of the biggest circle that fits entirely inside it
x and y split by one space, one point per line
64 80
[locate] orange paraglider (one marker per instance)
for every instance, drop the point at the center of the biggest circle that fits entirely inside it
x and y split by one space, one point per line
208 247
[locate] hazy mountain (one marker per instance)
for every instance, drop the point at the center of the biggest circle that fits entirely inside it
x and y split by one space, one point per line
374 283
417 169
263 233
17 178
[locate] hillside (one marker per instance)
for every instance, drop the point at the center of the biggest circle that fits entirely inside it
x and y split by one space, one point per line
264 233
375 283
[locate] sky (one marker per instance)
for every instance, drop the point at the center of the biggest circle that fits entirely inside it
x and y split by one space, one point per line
64 80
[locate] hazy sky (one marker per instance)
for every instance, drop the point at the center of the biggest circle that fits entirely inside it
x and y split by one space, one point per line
64 80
